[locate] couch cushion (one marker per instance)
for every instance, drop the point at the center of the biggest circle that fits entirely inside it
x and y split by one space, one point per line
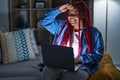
20 78
26 68
16 46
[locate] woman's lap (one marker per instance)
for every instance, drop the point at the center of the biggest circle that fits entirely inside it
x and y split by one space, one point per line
76 75
53 74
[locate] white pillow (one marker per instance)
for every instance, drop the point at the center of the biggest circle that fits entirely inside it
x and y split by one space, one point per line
16 46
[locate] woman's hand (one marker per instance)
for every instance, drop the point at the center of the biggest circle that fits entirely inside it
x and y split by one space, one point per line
77 61
65 7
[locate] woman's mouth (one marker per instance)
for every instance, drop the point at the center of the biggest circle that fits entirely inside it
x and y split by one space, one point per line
73 21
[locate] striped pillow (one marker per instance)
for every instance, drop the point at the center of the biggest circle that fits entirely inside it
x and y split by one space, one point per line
16 46
34 43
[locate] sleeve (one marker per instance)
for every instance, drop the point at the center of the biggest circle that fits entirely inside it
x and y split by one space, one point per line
97 54
49 21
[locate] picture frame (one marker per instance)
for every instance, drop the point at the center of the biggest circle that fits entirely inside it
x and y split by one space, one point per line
40 4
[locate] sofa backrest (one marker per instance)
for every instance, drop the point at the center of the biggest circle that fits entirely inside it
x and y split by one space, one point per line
43 36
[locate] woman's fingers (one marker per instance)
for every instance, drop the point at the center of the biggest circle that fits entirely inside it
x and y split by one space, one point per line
65 7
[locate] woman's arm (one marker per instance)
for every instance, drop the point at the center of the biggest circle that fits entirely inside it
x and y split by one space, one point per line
49 21
97 54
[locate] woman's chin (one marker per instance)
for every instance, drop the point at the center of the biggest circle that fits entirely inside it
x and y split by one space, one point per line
73 24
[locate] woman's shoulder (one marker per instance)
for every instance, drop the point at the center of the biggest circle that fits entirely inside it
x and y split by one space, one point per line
95 29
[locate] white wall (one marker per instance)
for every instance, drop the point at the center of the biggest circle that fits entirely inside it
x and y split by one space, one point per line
113 37
100 16
4 17
113 25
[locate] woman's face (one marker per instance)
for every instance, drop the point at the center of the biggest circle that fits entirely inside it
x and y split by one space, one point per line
73 17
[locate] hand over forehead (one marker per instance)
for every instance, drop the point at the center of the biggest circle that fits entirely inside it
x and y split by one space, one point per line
69 6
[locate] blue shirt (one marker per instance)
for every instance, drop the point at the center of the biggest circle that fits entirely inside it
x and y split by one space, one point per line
90 61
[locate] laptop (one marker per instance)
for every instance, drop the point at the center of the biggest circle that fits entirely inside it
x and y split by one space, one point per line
58 56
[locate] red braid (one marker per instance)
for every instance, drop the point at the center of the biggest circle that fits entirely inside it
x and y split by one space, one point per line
88 32
68 35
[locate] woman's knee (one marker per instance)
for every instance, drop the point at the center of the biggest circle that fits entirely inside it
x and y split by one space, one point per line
77 75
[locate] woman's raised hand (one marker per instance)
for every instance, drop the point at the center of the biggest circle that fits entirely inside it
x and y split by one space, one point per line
65 7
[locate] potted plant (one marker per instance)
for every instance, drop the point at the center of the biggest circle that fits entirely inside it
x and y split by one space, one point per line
23 4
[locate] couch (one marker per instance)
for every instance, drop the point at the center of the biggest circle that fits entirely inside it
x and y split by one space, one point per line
29 69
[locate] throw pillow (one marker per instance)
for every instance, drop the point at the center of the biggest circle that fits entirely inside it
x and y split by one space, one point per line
16 46
33 41
107 70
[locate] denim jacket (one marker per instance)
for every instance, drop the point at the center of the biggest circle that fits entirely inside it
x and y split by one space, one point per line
90 61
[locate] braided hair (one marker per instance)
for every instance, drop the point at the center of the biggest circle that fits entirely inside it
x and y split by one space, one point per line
84 15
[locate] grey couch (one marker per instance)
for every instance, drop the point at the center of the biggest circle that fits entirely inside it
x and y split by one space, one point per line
27 70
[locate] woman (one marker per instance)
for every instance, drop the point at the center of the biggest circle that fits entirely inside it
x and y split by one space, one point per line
75 32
